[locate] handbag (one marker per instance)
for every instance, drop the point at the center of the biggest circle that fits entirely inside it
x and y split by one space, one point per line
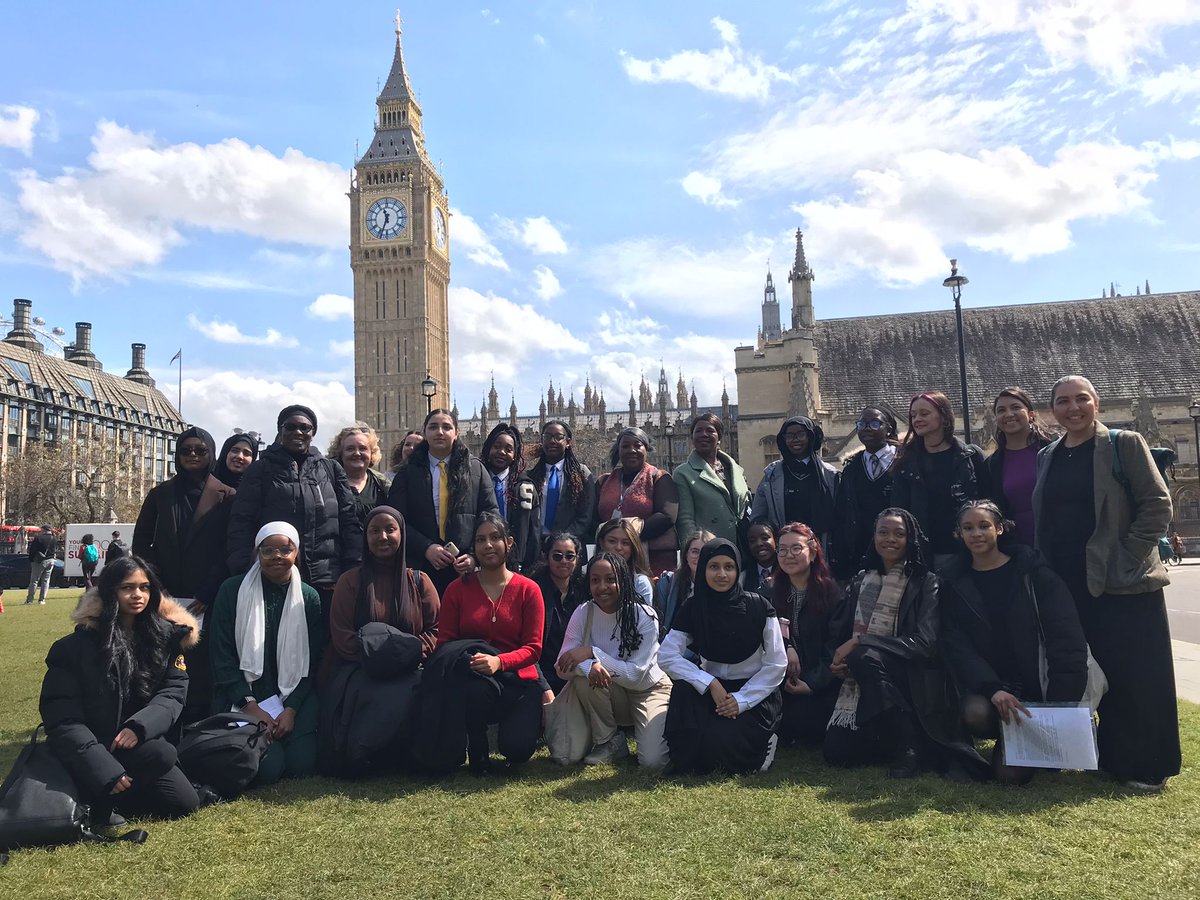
566 729
224 752
1097 681
40 807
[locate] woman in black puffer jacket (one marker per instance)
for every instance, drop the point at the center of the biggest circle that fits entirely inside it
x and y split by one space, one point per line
113 693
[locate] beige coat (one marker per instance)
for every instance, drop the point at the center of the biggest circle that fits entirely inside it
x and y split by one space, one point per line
1122 553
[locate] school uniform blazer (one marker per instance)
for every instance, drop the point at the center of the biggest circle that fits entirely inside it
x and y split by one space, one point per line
1122 553
573 517
412 494
705 501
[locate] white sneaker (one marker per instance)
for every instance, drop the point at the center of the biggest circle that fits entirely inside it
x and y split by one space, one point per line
615 748
772 743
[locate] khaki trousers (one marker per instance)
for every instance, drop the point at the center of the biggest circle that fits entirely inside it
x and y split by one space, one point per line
608 709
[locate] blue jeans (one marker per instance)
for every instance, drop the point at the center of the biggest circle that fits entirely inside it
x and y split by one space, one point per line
39 575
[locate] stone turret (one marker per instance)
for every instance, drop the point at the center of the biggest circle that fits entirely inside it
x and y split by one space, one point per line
801 278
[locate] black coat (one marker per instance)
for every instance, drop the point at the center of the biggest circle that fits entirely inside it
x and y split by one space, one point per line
43 547
412 495
191 567
815 641
847 544
81 711
314 497
440 742
577 518
916 642
972 480
525 525
967 632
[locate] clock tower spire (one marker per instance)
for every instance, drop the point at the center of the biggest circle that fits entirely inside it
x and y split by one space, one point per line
400 258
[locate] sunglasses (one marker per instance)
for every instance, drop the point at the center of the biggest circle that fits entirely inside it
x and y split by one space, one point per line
298 427
559 556
193 451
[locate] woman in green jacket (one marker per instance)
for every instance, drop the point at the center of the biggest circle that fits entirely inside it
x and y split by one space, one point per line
713 495
266 641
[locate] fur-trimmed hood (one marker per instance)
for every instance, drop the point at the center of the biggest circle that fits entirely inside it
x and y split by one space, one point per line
87 615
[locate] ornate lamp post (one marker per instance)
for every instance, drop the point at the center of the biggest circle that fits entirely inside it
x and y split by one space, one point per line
1194 412
669 431
955 282
428 388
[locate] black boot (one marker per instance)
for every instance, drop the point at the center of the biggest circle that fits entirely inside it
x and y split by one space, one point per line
479 757
906 763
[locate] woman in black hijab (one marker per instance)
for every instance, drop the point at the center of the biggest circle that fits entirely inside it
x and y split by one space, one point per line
724 711
180 533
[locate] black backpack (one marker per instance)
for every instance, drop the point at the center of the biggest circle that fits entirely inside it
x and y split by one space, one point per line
223 752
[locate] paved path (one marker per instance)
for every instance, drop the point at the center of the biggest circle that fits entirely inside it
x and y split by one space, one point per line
1183 610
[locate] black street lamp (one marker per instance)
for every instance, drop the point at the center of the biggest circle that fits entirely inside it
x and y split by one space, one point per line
955 282
669 431
428 388
1194 412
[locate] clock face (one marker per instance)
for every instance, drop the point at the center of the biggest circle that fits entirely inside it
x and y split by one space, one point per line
386 218
439 228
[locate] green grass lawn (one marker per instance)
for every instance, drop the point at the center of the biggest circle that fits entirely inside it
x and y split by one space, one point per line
803 830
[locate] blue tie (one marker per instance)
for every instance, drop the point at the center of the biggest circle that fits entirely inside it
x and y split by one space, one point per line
552 496
500 495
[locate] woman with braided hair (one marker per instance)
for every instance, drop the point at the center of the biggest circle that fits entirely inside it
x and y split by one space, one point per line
519 501
611 647
568 486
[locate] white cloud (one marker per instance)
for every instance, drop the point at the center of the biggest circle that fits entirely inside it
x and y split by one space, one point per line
540 236
616 329
706 189
539 40
331 307
493 334
136 199
546 284
223 401
1107 35
706 362
1000 201
728 70
229 333
1174 84
16 127
342 348
479 247
657 273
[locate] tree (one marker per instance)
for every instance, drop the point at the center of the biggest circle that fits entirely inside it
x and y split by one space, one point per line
73 481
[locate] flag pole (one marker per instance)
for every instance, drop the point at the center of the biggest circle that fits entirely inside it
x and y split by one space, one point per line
178 358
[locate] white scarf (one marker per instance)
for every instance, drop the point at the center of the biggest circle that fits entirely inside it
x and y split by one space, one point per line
250 629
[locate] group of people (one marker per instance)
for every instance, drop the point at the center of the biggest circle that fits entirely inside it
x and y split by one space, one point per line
893 611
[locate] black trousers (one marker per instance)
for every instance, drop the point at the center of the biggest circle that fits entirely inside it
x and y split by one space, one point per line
517 709
1138 736
805 717
159 786
885 721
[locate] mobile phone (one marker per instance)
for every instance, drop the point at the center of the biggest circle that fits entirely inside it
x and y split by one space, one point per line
449 545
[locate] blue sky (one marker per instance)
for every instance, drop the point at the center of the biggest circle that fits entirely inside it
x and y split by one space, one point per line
619 173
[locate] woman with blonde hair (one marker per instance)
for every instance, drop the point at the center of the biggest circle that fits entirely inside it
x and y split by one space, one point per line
356 447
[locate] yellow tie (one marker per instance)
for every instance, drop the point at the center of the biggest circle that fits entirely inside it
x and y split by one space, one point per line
443 499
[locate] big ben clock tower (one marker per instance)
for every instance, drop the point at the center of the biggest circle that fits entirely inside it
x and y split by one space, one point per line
400 257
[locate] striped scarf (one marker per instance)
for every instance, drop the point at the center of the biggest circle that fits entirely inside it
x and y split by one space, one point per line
877 611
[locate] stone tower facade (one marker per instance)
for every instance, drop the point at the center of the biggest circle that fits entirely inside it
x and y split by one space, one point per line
400 257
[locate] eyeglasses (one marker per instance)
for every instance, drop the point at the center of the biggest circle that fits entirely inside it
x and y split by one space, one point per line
791 551
193 451
559 556
298 427
871 425
275 552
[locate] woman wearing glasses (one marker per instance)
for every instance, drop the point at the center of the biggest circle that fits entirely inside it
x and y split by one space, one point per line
266 638
292 482
864 491
561 581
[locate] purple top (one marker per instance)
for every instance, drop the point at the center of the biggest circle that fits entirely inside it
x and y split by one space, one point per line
1020 474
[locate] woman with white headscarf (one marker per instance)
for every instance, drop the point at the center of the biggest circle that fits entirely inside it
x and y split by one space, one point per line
266 640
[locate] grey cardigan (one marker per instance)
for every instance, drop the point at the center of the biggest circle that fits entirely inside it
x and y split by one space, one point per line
1122 553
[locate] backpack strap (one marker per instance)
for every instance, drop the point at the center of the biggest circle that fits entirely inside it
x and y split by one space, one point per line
1118 470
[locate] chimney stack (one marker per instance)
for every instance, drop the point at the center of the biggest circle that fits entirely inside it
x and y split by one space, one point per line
80 352
22 334
138 373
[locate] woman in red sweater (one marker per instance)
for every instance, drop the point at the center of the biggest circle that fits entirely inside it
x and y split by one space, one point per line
505 610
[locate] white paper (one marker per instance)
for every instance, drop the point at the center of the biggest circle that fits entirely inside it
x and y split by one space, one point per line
272 706
1057 737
